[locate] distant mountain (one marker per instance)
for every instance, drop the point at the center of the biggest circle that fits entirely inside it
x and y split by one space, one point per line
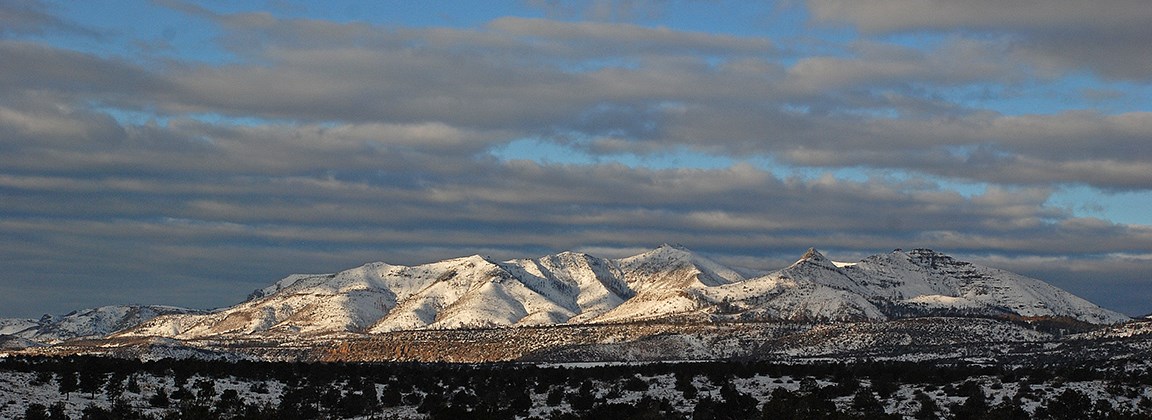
669 283
925 282
87 323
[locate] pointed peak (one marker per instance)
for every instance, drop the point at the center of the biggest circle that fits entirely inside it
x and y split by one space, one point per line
812 256
678 247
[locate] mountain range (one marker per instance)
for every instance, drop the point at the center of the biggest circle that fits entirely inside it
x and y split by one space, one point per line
87 323
669 284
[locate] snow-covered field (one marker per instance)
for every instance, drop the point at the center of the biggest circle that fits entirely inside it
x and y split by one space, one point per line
679 388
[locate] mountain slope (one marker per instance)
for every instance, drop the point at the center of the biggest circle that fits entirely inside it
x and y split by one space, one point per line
667 282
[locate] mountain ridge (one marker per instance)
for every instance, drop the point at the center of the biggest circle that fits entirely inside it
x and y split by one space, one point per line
85 323
666 283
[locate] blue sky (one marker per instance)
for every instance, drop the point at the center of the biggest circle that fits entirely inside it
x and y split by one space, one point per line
187 152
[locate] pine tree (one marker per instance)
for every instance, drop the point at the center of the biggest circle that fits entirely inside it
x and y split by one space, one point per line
160 399
36 411
67 382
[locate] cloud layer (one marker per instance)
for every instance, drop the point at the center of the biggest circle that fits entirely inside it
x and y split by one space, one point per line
323 144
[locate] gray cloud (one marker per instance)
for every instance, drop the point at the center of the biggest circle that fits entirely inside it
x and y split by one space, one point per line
903 15
35 17
1109 37
325 145
602 10
517 88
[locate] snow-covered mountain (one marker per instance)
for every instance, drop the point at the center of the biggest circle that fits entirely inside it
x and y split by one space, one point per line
897 285
805 291
923 281
467 292
87 323
668 283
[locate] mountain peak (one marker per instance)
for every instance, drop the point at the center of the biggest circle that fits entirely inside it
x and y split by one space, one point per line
666 252
812 256
930 259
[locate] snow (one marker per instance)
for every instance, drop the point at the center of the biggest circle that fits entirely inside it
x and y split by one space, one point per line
940 301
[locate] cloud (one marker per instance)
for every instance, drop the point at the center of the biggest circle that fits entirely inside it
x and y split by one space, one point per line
18 17
604 39
322 145
602 10
1107 37
498 86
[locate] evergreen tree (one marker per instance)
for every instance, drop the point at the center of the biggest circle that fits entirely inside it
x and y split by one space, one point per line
58 411
1070 404
160 399
36 411
391 397
42 378
371 396
736 404
91 380
865 404
113 388
205 389
928 407
521 402
67 382
133 386
229 404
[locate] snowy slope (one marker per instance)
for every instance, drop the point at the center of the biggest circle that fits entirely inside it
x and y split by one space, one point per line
351 300
668 282
584 286
16 326
467 292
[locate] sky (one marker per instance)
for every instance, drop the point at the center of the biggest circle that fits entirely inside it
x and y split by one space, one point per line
188 152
